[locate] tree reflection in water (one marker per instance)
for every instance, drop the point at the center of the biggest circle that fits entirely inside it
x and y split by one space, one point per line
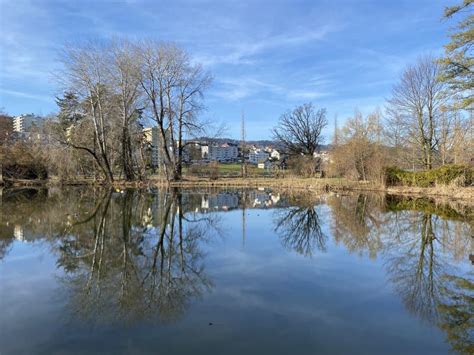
133 255
418 241
356 222
456 312
418 257
299 227
121 266
413 264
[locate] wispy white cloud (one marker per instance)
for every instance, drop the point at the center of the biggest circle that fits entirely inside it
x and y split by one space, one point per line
235 89
26 95
245 52
306 94
340 57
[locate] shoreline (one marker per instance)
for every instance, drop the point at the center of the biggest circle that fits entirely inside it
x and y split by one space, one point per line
294 184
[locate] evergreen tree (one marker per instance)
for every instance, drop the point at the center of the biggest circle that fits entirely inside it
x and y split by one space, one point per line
70 110
459 61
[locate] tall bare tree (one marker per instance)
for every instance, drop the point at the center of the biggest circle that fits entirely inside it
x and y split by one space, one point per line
86 74
359 153
114 84
300 130
174 88
125 78
415 105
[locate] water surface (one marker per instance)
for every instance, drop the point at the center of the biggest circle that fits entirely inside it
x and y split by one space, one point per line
233 272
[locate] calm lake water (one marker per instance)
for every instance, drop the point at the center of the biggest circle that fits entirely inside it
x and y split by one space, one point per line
233 272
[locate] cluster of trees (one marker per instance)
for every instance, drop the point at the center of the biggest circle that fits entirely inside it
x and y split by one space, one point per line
19 159
423 128
428 120
111 88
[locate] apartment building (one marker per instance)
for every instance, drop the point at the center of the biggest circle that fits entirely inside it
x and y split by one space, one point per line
258 156
220 152
24 123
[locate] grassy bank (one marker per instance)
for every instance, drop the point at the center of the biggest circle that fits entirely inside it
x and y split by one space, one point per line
328 184
286 183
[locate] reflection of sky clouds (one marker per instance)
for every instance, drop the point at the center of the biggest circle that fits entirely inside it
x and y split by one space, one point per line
263 294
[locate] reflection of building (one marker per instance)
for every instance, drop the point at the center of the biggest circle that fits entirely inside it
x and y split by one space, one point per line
18 232
23 234
264 199
212 202
220 201
225 201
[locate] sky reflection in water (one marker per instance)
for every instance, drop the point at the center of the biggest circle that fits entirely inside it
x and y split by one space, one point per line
233 272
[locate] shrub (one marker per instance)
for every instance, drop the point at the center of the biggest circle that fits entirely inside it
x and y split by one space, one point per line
214 170
23 161
460 175
24 171
306 166
210 170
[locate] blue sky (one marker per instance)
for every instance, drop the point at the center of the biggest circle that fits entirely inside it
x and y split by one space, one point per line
265 56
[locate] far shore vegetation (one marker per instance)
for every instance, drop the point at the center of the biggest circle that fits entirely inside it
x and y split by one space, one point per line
420 141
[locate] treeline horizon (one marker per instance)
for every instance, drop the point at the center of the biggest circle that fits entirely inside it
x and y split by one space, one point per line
110 88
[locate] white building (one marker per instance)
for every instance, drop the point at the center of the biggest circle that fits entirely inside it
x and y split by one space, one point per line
275 154
221 152
220 201
152 136
24 123
323 155
257 156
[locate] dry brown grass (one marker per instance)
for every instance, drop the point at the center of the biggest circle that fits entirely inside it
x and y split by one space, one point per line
451 192
326 184
291 184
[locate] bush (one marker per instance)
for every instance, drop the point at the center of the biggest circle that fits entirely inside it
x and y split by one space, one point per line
214 170
460 175
23 161
23 171
306 166
210 170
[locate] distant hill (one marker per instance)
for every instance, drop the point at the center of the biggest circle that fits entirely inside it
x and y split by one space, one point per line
258 143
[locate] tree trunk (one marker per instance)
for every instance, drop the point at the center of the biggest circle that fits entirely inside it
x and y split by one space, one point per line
127 161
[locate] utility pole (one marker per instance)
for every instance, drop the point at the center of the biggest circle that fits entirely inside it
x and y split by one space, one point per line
243 166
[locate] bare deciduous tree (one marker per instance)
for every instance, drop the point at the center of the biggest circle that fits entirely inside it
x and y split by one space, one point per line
113 85
86 75
300 130
125 78
359 154
415 108
174 88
